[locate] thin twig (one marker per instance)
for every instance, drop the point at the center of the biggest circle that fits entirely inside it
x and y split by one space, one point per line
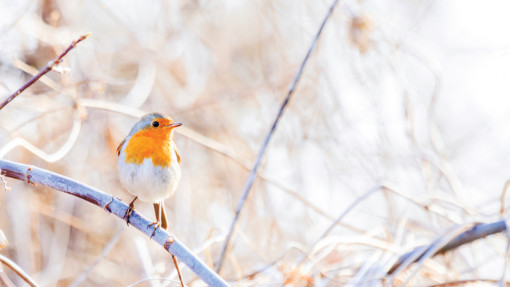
438 243
478 231
53 157
36 175
5 187
3 240
467 282
337 221
161 279
507 250
178 271
51 65
98 260
33 71
502 198
9 263
4 280
253 172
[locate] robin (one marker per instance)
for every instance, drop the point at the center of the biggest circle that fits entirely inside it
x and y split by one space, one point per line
149 164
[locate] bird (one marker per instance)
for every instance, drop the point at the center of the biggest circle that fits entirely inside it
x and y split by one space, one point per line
149 164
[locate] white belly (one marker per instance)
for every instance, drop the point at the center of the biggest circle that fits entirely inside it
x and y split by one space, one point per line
148 182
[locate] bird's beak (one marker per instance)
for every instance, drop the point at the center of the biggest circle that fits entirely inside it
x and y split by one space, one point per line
174 125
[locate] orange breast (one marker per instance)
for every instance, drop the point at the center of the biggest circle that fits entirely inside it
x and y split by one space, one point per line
149 144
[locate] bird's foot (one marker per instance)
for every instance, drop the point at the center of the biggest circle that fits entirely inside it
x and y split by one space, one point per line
107 206
156 224
130 209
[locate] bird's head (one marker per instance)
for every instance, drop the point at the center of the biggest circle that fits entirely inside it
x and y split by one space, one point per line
155 125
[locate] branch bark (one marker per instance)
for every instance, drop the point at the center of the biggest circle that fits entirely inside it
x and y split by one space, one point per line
40 176
479 230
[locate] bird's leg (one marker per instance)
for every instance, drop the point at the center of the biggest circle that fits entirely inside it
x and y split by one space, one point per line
161 221
158 215
130 209
164 223
158 209
156 224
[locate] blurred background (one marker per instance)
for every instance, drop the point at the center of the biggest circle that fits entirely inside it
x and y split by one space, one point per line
413 95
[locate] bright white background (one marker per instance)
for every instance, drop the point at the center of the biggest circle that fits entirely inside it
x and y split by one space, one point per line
415 96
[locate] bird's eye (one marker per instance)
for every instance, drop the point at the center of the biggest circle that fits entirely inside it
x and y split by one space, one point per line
155 124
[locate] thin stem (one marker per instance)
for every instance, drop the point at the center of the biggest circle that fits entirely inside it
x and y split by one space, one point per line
178 271
46 69
14 267
253 172
98 260
337 221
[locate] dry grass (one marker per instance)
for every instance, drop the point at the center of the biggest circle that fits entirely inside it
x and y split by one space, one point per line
396 94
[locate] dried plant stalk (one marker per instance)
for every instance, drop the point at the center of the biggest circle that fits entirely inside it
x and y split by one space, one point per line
21 273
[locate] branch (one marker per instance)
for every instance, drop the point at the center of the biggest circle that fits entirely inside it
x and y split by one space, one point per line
51 65
253 172
14 267
36 175
479 230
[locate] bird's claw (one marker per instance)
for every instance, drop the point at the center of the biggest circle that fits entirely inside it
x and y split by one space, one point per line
128 212
156 224
107 206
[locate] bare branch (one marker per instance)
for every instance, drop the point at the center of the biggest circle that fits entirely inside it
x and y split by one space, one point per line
36 175
479 230
51 65
253 172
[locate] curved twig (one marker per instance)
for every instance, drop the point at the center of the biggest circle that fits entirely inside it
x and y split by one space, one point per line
479 230
428 251
14 267
36 175
109 246
51 65
53 157
253 172
337 221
